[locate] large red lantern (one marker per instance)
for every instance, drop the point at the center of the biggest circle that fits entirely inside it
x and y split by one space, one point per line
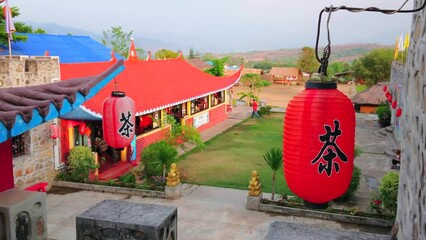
118 120
318 143
87 132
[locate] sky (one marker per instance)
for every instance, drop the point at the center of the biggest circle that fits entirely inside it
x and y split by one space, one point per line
224 25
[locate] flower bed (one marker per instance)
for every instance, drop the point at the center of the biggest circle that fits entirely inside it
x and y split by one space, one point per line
351 215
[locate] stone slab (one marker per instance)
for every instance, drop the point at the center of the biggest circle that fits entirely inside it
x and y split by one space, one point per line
253 202
279 230
118 219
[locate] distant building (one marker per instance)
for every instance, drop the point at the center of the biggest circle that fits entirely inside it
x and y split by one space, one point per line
199 64
284 75
368 100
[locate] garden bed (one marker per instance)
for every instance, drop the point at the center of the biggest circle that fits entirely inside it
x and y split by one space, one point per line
339 215
110 189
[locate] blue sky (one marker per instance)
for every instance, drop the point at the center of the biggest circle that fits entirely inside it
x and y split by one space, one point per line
224 25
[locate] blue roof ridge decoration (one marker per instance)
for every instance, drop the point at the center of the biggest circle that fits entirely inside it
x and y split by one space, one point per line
23 108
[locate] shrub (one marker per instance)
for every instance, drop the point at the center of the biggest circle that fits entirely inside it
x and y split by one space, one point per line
358 151
155 156
388 191
81 162
353 186
384 115
264 110
128 178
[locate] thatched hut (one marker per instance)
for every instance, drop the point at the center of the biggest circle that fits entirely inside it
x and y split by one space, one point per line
368 100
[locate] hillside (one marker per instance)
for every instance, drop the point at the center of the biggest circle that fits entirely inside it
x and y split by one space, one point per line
341 53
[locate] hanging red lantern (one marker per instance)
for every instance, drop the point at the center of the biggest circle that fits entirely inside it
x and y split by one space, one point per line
387 94
82 128
398 112
87 132
118 120
318 143
54 131
146 121
394 103
385 88
390 98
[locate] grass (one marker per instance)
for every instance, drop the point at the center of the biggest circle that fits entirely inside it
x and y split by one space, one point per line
360 88
228 159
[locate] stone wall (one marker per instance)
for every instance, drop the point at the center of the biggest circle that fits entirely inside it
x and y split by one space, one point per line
397 80
20 71
411 215
38 165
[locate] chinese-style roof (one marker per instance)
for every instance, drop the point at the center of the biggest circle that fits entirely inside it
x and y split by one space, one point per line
23 108
285 72
152 84
371 96
69 48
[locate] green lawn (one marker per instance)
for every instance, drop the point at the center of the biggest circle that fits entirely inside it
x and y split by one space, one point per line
228 159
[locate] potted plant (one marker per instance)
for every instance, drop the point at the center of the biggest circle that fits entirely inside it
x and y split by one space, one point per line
384 115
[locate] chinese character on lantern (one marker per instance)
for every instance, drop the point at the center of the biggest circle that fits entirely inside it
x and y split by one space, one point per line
126 126
329 140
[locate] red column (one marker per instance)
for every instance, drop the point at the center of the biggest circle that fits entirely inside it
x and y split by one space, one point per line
6 166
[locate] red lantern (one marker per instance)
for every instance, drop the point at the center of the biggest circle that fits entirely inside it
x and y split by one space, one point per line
146 121
82 128
54 131
394 103
398 112
385 88
87 132
318 143
390 98
387 94
118 120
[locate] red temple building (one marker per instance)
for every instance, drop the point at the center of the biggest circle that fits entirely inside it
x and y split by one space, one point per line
158 87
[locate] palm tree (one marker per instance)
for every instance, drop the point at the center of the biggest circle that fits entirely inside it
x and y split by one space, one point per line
166 154
274 158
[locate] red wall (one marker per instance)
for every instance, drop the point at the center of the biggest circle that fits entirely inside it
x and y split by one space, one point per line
143 142
216 116
6 166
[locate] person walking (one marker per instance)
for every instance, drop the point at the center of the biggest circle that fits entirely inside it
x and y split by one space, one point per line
254 113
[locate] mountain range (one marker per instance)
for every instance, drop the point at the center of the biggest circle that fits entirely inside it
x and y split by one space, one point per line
347 52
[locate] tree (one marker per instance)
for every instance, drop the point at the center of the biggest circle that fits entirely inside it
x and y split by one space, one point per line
40 31
166 54
19 26
307 61
255 82
337 67
218 67
119 41
193 54
375 66
274 159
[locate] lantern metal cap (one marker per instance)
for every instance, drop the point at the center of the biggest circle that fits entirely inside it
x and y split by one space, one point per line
118 94
320 85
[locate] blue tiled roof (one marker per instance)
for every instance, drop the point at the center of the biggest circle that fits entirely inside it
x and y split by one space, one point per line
69 48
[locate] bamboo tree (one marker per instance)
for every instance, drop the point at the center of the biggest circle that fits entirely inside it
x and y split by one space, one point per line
274 158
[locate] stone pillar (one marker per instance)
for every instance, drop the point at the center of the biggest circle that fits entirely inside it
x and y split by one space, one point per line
255 192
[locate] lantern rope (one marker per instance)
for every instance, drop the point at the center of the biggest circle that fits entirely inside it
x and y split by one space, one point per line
327 50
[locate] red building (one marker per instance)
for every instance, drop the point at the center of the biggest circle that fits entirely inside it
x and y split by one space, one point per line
158 87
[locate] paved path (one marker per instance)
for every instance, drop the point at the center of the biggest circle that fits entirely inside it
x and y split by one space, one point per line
218 213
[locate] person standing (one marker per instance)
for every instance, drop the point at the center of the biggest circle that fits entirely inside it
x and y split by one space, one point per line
254 113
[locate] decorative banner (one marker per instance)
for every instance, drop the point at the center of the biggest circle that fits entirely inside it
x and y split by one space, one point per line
118 120
318 143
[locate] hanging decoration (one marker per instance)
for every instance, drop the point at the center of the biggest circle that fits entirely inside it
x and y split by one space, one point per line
82 128
390 98
398 112
54 131
118 121
318 143
394 104
87 132
385 88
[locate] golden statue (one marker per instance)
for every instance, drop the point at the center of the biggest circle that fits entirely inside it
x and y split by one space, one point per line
254 186
173 178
